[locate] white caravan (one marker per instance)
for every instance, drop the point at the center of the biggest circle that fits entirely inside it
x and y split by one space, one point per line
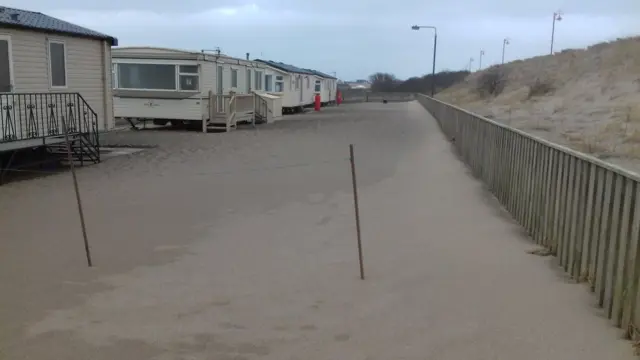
294 85
182 87
326 86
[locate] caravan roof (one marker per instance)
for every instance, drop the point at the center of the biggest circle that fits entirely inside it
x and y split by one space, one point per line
286 67
321 74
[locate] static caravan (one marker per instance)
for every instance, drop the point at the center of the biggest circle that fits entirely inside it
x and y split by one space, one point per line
183 87
326 86
293 85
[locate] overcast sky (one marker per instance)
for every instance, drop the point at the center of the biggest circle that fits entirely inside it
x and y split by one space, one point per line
353 37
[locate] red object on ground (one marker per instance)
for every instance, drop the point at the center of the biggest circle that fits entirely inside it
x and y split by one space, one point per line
317 104
339 97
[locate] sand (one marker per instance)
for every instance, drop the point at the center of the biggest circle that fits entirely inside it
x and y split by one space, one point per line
202 252
593 105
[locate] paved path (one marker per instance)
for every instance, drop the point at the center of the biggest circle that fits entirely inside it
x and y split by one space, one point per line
265 266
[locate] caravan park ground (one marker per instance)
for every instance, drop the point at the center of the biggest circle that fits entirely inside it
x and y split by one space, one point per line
242 246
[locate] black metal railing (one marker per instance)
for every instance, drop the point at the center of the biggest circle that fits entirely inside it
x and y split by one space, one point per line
28 116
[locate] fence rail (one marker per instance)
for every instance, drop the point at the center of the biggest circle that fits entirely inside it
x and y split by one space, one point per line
366 95
584 211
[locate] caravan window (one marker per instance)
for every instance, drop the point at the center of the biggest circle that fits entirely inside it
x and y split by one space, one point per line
188 77
234 78
268 82
279 84
114 76
318 86
258 81
147 76
156 77
57 64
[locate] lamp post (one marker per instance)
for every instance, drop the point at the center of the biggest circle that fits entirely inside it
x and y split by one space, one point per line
435 48
557 16
505 42
480 60
470 64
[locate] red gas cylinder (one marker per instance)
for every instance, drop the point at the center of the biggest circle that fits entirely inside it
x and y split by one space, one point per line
339 98
317 103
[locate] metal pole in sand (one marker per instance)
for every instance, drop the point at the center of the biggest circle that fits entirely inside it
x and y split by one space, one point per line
357 209
75 185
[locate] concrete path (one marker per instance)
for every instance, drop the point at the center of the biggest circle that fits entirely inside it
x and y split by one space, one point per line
448 276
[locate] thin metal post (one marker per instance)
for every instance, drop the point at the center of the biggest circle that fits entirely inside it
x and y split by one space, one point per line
505 42
557 16
433 69
504 45
75 185
357 211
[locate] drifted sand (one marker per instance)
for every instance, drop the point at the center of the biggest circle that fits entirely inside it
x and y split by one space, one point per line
200 253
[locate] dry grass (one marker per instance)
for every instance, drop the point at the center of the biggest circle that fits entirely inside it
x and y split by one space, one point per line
592 145
540 88
539 127
589 99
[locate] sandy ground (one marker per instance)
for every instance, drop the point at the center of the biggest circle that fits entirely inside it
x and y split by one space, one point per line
202 252
593 102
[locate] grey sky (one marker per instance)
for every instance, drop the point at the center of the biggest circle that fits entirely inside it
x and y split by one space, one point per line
353 37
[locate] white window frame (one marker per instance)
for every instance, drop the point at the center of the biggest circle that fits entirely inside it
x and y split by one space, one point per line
66 67
114 75
318 86
176 65
234 85
10 54
259 85
279 79
179 74
249 75
272 82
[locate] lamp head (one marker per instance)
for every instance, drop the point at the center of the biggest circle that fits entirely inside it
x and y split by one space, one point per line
415 27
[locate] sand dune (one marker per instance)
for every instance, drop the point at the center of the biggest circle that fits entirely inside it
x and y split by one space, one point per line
594 105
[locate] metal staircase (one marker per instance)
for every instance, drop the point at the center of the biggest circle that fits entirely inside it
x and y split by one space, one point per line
31 121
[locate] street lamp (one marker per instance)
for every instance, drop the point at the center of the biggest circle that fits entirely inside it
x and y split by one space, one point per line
470 62
480 60
435 47
557 16
505 42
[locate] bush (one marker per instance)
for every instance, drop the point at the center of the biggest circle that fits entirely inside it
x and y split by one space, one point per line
540 88
492 81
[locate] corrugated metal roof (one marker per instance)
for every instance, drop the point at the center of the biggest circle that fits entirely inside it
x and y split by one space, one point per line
285 67
16 18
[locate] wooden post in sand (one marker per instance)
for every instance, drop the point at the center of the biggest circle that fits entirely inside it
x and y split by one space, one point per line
357 209
75 185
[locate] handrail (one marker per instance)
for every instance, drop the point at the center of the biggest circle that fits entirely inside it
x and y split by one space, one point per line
27 116
231 111
583 210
